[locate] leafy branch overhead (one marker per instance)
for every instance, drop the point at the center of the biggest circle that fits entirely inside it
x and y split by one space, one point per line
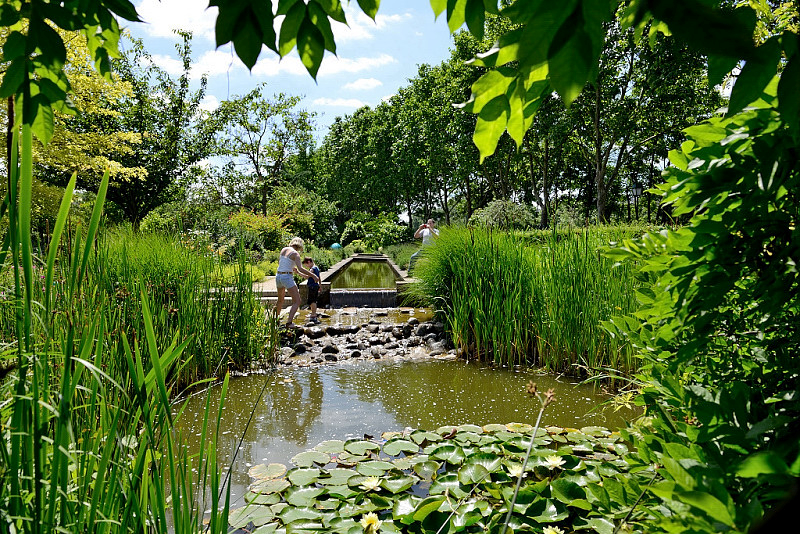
550 46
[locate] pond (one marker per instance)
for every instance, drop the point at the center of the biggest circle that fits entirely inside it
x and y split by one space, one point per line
364 275
300 407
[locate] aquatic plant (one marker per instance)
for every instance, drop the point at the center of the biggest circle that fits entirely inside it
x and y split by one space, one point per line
454 479
512 304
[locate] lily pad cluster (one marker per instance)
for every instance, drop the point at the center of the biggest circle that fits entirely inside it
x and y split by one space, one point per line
456 479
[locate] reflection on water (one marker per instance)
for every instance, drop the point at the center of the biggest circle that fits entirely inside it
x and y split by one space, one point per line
365 274
302 407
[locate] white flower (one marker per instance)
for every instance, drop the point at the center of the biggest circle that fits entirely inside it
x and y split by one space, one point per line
553 461
370 523
370 483
514 470
552 530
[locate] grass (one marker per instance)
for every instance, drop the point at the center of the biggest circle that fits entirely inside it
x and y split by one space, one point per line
88 417
511 303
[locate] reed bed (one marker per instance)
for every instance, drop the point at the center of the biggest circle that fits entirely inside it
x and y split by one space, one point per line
511 303
89 436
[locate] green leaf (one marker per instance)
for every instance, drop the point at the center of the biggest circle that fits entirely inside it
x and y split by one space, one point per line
426 470
334 9
374 467
719 67
228 20
262 471
755 76
304 496
762 463
247 41
320 19
309 458
398 484
303 476
14 47
490 125
450 453
567 491
475 15
426 506
360 446
708 504
396 446
310 46
258 515
788 93
14 77
571 64
370 7
336 477
290 26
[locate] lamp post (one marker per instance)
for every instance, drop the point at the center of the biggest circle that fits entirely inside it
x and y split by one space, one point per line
637 192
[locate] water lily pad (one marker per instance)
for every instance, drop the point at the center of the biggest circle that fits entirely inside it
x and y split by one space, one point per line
262 499
304 496
491 462
332 446
396 446
309 458
554 429
467 438
547 511
494 428
374 467
473 474
359 446
470 428
303 476
402 464
273 485
390 435
519 427
292 513
577 437
447 431
595 431
426 506
398 484
404 507
348 460
269 528
342 492
304 526
450 453
258 515
335 477
426 469
264 472
422 437
449 485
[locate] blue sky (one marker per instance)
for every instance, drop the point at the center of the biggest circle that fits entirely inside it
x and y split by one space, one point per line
374 58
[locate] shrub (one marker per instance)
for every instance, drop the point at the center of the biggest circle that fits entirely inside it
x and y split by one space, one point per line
259 231
373 231
505 215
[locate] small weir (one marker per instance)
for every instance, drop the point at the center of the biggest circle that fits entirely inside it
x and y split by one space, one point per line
363 280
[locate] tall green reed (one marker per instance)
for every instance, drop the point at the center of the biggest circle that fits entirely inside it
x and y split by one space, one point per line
83 450
509 303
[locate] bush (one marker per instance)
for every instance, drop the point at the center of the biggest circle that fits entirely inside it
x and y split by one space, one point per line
373 231
259 231
504 214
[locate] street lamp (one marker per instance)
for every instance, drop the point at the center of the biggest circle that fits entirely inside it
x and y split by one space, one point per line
637 192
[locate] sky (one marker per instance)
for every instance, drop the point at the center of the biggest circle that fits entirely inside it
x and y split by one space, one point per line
374 58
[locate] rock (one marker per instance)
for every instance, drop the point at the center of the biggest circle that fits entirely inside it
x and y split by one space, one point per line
315 332
375 340
317 359
336 330
413 321
407 330
362 345
286 352
373 328
436 346
350 339
391 346
413 341
331 358
438 327
355 354
374 321
375 352
330 349
387 328
300 348
436 352
428 338
380 313
424 329
397 332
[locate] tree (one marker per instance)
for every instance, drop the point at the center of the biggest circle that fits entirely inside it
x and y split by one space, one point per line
262 136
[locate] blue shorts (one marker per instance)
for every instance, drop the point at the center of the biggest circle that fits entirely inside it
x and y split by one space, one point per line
285 281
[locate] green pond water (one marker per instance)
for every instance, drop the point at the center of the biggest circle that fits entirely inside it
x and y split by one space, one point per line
365 274
303 406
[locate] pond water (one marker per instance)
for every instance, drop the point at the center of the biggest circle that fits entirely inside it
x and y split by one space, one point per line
295 408
365 274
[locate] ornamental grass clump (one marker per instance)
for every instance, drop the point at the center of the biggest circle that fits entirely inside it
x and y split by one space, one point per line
513 304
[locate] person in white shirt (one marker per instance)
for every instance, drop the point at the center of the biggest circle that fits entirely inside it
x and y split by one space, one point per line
427 232
289 262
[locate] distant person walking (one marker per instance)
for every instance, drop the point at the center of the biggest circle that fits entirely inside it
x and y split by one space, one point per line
427 232
288 262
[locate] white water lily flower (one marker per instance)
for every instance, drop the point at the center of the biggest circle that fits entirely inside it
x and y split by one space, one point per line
370 522
370 483
514 470
552 530
553 461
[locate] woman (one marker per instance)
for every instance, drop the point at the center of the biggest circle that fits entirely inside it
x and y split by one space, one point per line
288 261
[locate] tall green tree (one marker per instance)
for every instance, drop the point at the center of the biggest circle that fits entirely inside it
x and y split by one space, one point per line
261 136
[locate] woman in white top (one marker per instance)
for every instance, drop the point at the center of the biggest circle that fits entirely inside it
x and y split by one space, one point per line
288 262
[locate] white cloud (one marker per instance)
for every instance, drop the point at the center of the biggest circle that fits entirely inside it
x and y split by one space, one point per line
209 103
363 84
271 66
360 26
387 97
215 62
352 103
164 16
171 65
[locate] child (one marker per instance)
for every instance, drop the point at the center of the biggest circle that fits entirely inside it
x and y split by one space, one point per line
313 287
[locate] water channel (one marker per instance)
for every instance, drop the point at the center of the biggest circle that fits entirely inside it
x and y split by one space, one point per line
303 406
363 275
